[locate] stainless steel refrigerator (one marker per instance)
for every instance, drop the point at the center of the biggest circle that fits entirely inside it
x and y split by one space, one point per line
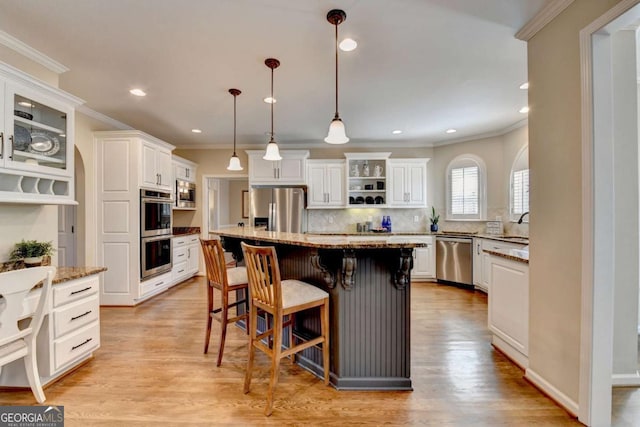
279 207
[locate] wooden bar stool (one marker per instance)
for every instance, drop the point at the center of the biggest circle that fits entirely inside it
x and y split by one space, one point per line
280 299
226 280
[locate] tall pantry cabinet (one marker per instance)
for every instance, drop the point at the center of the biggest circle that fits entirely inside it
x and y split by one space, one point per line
119 177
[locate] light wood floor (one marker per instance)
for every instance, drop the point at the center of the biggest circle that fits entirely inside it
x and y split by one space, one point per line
150 370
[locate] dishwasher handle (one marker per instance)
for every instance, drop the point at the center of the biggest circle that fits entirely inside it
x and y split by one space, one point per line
454 239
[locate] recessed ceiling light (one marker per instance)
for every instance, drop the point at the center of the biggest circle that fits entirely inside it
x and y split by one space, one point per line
137 92
196 131
451 131
397 132
347 45
524 86
524 110
25 104
270 100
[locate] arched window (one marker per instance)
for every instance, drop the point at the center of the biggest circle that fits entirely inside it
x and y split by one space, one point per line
519 195
466 188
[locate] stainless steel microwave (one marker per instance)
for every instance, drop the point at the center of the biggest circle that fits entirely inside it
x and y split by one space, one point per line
185 194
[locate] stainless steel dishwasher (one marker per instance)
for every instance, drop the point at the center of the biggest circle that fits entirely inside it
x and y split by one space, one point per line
454 260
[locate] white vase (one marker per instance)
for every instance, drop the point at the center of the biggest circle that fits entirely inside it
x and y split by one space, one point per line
36 260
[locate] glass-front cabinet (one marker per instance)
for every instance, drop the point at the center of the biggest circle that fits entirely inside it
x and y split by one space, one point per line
36 139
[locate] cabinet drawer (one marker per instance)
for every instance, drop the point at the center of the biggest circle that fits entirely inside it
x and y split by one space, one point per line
194 239
72 316
179 241
76 344
179 254
75 290
154 285
179 270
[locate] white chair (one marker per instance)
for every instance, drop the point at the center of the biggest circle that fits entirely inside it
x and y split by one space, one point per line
16 343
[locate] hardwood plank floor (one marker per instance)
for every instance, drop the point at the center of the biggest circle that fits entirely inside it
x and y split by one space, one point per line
151 370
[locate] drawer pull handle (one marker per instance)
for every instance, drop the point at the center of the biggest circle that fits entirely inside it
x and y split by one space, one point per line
80 315
81 290
159 283
87 341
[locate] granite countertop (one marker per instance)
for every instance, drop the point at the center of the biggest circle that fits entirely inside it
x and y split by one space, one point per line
500 237
324 241
512 254
65 274
183 231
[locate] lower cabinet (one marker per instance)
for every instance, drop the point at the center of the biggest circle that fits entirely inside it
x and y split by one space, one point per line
481 260
509 308
424 261
186 257
70 332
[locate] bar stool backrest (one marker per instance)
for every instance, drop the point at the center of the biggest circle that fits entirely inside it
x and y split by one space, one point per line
264 276
215 262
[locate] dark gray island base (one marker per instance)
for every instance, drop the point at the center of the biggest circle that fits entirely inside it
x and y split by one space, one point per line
368 283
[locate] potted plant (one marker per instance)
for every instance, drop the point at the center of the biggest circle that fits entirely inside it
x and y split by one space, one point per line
31 251
434 220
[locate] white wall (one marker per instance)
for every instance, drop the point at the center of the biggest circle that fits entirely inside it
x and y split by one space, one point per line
28 222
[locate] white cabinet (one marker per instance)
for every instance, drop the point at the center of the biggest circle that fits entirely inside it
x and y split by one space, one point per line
325 181
367 179
424 260
484 270
70 332
509 308
289 170
183 169
407 182
36 140
186 257
477 264
156 165
120 158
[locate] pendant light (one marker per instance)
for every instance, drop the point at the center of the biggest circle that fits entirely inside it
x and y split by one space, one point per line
337 133
234 161
272 153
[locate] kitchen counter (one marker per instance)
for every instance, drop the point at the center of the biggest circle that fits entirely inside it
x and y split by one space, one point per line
65 274
325 241
512 254
368 281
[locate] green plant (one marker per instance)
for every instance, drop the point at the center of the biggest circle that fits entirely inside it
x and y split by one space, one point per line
31 249
434 218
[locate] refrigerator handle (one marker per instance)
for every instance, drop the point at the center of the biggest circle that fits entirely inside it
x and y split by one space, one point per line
271 220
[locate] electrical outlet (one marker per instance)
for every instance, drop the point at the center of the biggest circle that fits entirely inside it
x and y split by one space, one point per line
331 219
416 218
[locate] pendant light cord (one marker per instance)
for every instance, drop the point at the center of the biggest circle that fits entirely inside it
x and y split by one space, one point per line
234 125
336 46
272 102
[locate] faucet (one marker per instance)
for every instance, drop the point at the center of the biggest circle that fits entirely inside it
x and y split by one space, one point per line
522 216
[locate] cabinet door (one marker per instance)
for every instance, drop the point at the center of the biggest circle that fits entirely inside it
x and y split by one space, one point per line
261 170
397 185
149 172
334 185
477 263
316 191
192 259
430 267
291 170
416 179
163 167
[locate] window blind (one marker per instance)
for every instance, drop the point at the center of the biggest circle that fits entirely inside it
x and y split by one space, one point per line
465 190
521 191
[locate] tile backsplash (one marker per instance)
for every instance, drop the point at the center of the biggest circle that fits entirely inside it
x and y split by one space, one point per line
345 220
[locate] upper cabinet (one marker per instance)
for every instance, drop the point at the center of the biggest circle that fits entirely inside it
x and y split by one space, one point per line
408 178
36 140
156 165
367 179
325 181
289 170
184 170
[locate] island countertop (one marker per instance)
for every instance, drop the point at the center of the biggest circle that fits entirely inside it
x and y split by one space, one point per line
324 241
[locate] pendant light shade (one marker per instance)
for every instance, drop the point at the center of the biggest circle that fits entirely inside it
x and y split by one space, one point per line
337 133
234 161
272 153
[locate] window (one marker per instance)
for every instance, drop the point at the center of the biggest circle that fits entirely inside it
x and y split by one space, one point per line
466 189
519 202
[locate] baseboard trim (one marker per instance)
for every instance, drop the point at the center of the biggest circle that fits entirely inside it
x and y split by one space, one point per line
626 380
556 395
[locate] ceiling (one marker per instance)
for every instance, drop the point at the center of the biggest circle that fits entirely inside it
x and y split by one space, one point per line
421 66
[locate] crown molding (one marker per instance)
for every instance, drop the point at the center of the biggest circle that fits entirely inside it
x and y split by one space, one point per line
477 137
542 18
103 118
35 55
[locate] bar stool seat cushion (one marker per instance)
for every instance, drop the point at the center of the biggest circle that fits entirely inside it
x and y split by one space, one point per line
295 292
237 276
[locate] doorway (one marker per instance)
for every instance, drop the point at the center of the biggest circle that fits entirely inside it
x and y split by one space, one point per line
224 201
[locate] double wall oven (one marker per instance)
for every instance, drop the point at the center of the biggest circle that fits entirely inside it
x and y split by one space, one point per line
155 232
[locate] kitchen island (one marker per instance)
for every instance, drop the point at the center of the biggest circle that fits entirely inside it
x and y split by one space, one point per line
368 280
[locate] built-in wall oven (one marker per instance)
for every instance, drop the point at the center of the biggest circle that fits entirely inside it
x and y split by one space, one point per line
155 232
